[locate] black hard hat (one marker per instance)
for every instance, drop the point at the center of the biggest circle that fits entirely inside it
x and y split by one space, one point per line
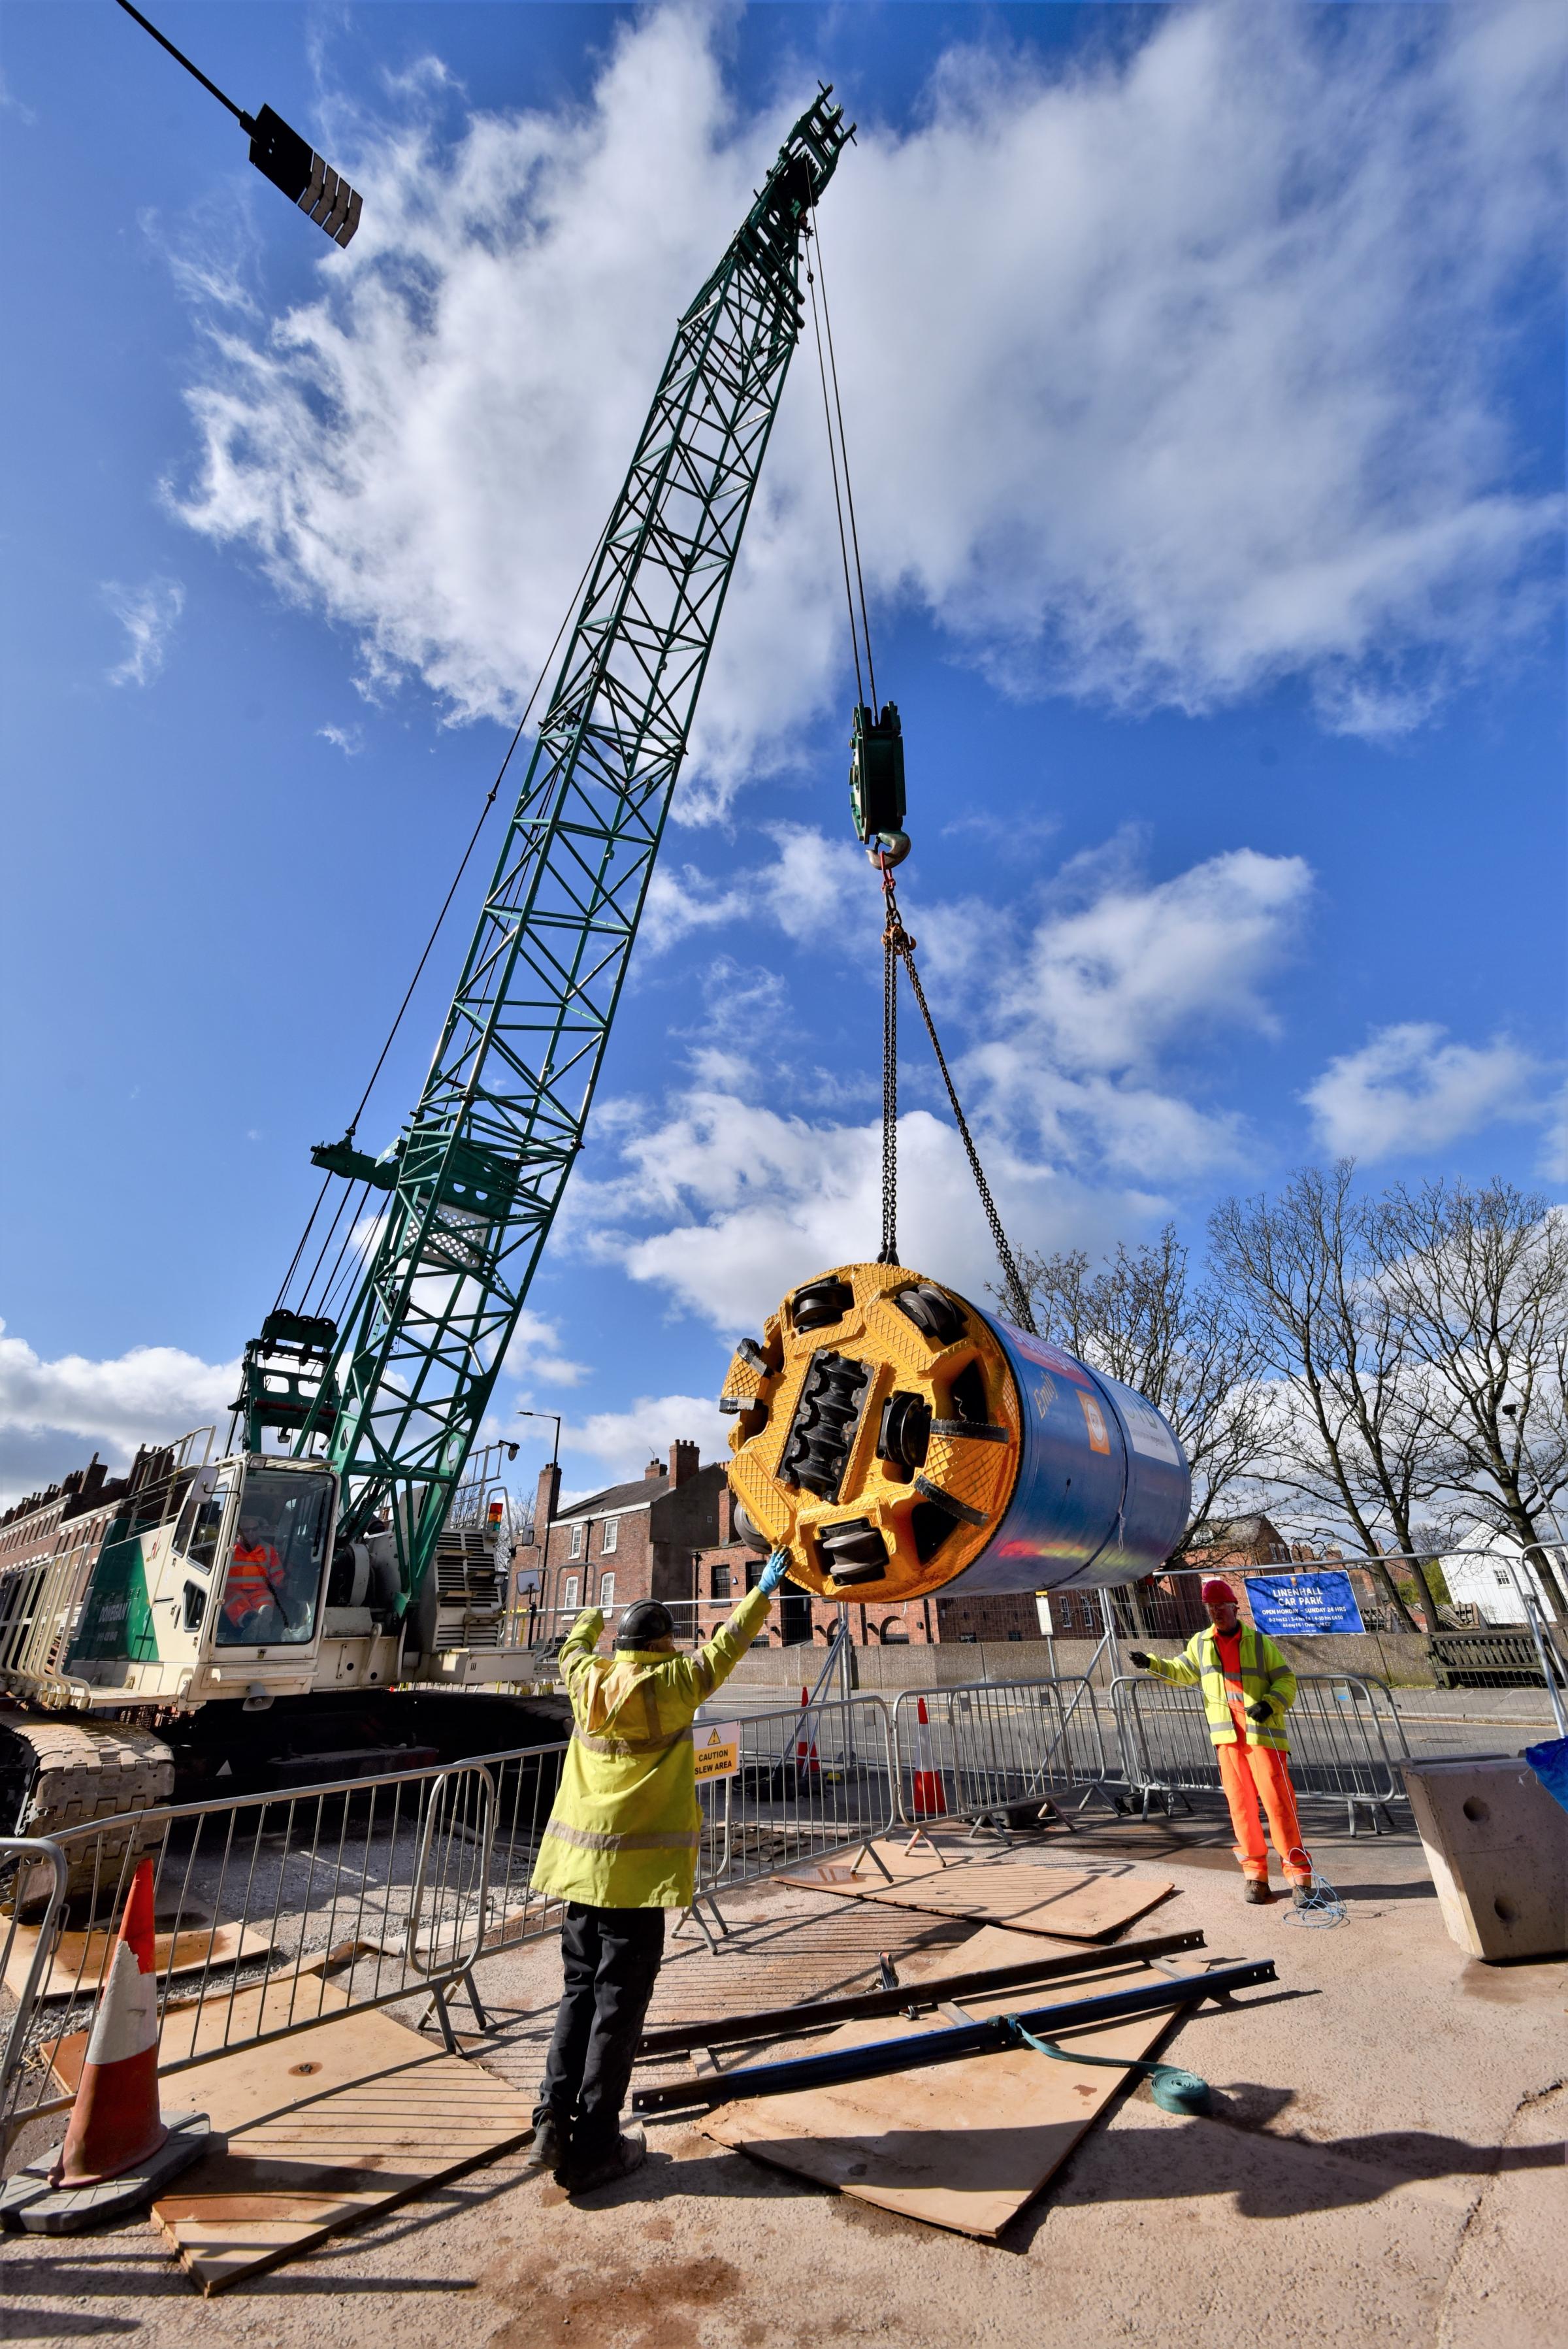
642 1624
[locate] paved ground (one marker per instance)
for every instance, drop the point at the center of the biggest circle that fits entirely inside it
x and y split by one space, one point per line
1385 2162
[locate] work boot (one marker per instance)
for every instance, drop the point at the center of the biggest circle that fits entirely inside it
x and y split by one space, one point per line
550 2144
1255 1891
1301 1896
629 2153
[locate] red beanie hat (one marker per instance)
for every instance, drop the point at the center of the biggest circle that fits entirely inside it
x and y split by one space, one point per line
1216 1594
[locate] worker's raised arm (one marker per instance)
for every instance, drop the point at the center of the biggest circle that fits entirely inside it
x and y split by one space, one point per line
713 1662
580 1643
728 1646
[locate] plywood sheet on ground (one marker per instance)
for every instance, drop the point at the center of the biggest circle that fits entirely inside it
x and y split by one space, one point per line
322 2131
191 2026
1078 1904
80 1959
962 2145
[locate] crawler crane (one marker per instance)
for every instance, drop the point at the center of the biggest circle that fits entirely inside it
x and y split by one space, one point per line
280 1616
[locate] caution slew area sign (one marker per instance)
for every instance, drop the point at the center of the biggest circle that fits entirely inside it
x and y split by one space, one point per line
718 1748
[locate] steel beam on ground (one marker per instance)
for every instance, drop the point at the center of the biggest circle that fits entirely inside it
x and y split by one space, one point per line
822 2015
836 2067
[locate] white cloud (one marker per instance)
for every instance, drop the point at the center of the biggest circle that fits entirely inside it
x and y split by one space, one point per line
1060 1026
1138 968
625 1441
1555 1149
149 615
1173 370
1085 1010
535 1352
56 1412
727 1204
814 889
349 739
1407 1091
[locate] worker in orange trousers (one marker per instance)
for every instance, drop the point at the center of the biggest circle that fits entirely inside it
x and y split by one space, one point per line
1248 1688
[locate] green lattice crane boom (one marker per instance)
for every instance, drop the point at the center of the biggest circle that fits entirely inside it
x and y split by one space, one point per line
474 1182
300 1585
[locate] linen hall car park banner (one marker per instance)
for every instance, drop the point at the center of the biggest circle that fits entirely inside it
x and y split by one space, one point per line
1291 1606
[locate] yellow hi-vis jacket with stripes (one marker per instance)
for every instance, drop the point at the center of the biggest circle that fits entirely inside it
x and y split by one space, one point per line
1266 1677
622 1833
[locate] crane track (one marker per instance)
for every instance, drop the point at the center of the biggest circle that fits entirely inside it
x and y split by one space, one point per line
83 1771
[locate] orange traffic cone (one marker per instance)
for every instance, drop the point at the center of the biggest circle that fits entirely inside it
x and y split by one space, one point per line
930 1794
118 2151
115 2120
807 1765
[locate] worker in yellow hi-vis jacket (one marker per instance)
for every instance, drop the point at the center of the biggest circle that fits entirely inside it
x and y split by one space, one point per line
1248 1688
621 1848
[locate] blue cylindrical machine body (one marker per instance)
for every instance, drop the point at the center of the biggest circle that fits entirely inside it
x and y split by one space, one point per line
1103 1488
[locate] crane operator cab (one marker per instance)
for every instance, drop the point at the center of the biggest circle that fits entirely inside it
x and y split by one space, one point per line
276 1559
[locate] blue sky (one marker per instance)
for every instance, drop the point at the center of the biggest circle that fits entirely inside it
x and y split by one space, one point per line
1203 381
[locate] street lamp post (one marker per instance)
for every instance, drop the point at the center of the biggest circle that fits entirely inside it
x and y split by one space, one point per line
1511 1412
550 1509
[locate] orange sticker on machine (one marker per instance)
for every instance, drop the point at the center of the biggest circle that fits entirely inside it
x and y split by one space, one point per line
1094 1420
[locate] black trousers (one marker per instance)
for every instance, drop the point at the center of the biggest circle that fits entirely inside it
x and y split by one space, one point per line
611 1959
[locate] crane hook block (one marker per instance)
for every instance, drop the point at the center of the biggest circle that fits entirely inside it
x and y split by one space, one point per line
876 772
899 1441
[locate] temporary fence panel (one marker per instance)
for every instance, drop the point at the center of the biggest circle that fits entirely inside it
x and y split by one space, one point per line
278 1912
33 1874
810 1779
995 1747
1346 1738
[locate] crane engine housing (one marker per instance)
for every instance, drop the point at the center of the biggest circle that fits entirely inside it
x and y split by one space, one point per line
900 1441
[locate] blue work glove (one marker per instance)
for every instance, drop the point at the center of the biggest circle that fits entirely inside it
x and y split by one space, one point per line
774 1572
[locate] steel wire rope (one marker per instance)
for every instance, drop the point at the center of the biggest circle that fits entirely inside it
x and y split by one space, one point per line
898 947
838 448
897 944
889 1252
837 501
359 1195
435 933
844 453
340 1280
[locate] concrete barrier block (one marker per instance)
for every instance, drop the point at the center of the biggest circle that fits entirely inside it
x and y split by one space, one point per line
1497 1846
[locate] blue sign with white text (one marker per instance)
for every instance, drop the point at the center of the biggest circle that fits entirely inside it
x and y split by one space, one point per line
1290 1606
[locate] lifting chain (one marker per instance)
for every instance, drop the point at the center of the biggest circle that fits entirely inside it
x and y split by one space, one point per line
898 945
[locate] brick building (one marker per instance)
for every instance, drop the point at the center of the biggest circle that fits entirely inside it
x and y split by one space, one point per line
671 1534
631 1541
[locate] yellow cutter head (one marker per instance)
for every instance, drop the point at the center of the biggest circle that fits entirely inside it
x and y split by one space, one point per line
877 1434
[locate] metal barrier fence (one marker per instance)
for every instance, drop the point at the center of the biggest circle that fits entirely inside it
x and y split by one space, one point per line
996 1747
1339 1730
279 1912
811 1780
24 1951
276 1913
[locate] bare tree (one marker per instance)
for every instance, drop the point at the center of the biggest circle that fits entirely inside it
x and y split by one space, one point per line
1353 1431
1479 1280
1142 1320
